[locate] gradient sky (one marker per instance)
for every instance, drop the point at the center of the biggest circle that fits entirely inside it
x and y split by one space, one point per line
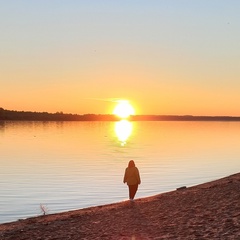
164 56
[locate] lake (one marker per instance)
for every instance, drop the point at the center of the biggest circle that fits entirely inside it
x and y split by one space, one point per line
71 165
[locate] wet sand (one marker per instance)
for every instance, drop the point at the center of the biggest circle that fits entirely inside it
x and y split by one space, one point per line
206 211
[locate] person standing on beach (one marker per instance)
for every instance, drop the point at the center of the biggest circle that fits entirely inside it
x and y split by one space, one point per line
132 178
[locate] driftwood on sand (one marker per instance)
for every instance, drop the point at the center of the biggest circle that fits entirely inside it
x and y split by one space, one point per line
206 211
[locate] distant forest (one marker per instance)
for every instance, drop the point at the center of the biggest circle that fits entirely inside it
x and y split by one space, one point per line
60 116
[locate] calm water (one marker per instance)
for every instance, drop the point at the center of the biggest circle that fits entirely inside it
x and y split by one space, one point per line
72 165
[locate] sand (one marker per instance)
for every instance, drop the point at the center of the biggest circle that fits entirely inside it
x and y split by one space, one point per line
206 211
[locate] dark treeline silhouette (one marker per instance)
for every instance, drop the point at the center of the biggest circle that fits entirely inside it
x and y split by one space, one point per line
183 118
60 116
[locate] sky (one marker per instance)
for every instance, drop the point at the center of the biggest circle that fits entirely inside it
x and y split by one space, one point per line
174 57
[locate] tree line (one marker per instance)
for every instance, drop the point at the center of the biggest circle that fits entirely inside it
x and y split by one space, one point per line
60 116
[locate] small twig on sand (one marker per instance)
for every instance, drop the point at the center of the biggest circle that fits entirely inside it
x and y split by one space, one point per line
44 209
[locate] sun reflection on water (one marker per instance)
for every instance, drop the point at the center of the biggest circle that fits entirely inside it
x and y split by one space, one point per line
123 130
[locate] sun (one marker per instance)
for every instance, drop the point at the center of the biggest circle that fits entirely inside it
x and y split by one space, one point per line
123 109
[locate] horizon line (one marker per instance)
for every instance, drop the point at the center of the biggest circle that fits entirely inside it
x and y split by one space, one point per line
111 114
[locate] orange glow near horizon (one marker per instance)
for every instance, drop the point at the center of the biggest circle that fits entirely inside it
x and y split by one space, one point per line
123 109
160 66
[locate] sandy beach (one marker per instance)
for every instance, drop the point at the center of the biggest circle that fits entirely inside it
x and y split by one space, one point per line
207 211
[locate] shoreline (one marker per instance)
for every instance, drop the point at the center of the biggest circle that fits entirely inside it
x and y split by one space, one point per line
206 211
14 115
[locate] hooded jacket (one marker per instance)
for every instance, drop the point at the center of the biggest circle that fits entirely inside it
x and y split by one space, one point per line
132 176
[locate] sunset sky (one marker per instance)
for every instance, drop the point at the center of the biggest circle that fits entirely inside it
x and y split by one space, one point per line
164 56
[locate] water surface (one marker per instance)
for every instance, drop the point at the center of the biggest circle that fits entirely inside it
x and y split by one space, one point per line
72 165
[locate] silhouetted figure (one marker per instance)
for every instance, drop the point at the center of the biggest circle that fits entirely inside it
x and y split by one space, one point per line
132 178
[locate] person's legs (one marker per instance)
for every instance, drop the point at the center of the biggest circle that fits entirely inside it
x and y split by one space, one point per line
135 188
132 190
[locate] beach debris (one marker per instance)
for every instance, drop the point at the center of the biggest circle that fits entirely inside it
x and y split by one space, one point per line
43 209
181 188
